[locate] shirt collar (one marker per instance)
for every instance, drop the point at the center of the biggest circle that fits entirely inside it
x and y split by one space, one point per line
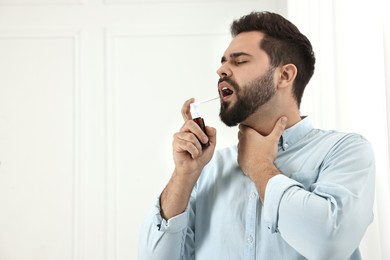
295 133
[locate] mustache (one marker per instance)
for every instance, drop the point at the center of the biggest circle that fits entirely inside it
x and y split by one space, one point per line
230 82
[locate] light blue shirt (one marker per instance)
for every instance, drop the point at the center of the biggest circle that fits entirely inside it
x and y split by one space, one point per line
318 208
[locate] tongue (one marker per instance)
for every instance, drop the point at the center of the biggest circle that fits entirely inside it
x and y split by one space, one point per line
227 92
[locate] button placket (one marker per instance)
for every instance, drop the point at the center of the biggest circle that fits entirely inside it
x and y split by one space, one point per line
253 195
250 229
249 239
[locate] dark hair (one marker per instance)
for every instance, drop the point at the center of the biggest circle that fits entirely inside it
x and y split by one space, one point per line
283 43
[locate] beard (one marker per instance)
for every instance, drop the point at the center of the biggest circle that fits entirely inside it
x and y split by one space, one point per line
254 95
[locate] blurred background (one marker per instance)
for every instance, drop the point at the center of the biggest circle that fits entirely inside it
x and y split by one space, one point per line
91 92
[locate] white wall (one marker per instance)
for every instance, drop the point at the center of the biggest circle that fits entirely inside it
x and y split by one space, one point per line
90 95
348 90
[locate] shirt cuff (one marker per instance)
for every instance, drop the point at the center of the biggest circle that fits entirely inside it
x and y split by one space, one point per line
173 225
274 192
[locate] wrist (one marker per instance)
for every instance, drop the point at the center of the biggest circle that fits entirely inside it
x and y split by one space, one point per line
262 169
174 198
185 179
262 176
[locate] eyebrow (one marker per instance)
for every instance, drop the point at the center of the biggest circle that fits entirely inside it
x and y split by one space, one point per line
235 55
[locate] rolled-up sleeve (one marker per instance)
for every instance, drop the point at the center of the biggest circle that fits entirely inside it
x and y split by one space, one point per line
276 187
173 225
329 220
160 238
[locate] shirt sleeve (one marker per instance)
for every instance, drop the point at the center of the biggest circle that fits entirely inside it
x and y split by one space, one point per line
166 239
329 220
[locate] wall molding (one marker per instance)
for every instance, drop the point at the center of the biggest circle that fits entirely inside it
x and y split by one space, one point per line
77 174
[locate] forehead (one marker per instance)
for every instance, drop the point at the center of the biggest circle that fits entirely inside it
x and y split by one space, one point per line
248 42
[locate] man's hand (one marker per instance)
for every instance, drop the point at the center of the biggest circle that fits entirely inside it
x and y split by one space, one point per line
188 155
190 159
257 153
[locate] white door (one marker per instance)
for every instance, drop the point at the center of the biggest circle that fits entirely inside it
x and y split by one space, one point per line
90 95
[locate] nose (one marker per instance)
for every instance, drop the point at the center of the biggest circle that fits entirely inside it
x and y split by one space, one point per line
224 71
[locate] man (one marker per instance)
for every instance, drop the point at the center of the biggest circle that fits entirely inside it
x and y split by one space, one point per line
287 190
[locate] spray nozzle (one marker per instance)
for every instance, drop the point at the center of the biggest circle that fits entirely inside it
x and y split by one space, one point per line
194 107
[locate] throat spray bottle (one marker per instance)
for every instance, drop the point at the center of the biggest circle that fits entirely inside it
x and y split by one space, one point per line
196 117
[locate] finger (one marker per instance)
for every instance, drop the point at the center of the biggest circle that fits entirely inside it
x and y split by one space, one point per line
194 128
279 127
212 134
183 146
185 109
185 141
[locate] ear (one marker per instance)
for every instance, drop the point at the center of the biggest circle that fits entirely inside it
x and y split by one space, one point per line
288 74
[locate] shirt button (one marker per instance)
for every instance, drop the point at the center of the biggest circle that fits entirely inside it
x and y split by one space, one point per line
249 239
285 146
253 195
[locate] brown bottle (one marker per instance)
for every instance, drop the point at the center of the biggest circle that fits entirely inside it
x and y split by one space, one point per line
200 122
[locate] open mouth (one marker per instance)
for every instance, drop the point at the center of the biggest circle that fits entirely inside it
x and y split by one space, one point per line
226 92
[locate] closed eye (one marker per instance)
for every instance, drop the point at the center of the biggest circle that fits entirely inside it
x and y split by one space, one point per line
236 58
241 62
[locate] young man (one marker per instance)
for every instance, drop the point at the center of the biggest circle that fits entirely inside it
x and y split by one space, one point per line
287 190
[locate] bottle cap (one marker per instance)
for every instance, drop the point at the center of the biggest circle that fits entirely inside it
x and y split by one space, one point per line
194 109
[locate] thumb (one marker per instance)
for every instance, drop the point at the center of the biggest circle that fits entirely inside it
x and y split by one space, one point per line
211 133
279 127
186 110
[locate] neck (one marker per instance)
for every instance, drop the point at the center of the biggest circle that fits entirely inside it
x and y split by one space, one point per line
264 121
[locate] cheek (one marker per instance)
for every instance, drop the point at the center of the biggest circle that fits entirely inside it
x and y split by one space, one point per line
248 77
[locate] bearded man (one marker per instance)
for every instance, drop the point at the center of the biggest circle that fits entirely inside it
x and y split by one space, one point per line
286 190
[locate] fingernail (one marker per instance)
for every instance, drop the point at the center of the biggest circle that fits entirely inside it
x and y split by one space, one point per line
205 139
284 120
